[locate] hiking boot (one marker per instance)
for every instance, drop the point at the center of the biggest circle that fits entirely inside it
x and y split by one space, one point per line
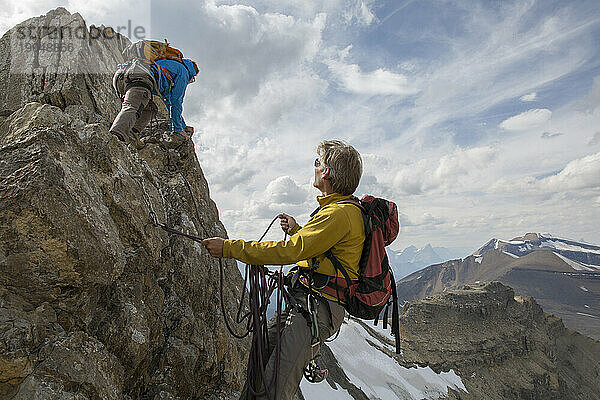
119 136
134 139
176 140
151 139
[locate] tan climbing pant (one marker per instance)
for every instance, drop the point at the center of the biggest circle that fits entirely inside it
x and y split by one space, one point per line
296 340
136 112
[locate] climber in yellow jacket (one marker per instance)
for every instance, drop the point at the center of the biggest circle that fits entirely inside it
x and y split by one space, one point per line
338 227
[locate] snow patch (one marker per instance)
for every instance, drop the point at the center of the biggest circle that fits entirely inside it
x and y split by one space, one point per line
588 315
510 254
322 390
380 376
387 333
583 288
558 245
573 264
478 259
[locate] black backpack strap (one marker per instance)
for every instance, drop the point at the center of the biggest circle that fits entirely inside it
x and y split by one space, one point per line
312 214
395 316
338 266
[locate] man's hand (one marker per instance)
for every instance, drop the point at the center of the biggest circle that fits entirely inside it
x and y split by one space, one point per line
287 222
214 246
189 130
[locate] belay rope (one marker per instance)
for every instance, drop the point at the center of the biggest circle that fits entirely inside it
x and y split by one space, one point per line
261 283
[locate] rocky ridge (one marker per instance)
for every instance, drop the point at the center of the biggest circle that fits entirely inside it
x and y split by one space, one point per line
96 302
502 346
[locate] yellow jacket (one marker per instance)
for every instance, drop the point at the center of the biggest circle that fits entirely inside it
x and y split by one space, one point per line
338 227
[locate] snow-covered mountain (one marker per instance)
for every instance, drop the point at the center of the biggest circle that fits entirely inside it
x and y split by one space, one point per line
412 259
563 275
580 256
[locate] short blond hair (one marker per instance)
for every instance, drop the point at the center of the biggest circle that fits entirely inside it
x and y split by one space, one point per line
344 163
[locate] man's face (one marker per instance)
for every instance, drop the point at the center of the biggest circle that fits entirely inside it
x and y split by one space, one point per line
318 182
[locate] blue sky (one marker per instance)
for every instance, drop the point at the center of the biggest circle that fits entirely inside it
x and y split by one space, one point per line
479 119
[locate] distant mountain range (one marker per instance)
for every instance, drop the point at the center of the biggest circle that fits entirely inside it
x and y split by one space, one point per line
563 275
412 259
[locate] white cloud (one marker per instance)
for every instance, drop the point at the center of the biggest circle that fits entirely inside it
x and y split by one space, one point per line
445 174
284 190
529 97
527 120
378 82
359 12
578 174
595 139
241 48
424 219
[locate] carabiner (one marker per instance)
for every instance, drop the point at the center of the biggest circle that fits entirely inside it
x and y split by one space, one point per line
312 310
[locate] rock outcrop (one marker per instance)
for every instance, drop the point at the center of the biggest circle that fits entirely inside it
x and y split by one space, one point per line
56 59
501 346
95 301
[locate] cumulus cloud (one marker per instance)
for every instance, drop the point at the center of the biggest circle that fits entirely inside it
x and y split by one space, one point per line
529 97
231 164
527 120
578 174
339 12
237 47
284 190
443 175
370 184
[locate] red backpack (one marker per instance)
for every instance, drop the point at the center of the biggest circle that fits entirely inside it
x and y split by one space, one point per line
366 297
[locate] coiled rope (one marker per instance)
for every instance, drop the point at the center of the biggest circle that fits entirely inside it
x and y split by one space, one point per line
261 283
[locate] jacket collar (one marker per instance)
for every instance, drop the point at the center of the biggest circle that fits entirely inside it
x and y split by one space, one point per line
331 198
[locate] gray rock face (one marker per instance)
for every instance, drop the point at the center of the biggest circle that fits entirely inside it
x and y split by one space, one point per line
55 59
95 301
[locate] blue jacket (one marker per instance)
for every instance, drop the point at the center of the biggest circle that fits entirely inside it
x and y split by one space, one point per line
181 74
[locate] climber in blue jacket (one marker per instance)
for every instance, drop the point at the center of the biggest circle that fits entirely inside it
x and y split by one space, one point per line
137 82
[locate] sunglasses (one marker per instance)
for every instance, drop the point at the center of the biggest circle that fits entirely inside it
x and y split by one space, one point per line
317 163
